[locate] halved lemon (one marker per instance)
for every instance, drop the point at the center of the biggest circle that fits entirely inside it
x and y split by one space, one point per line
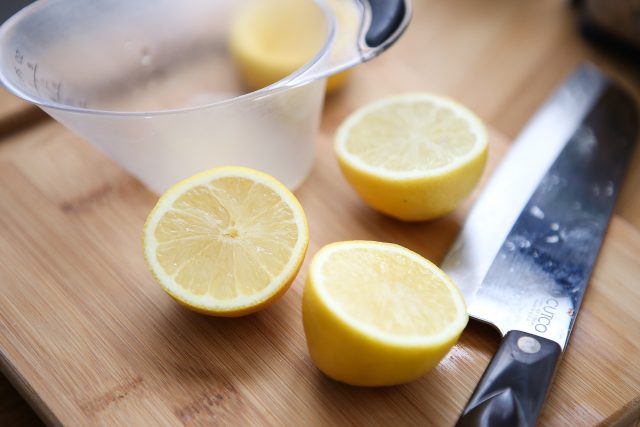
378 314
414 157
226 242
270 39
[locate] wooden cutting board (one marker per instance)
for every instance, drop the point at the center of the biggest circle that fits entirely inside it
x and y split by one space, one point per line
88 338
91 339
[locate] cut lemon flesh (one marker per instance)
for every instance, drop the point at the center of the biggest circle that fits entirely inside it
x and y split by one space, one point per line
386 290
411 138
227 241
414 157
379 314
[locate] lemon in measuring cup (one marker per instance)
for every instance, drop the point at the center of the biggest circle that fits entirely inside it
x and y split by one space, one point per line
270 39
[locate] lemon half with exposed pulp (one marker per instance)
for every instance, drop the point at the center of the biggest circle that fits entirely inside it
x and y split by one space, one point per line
414 157
227 242
378 314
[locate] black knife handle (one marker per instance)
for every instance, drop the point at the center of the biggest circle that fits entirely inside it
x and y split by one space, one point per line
386 17
514 385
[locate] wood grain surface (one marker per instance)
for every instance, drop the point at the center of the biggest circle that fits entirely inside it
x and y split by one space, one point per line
89 339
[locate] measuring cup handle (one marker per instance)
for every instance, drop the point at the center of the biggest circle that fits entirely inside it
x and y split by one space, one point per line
365 29
387 18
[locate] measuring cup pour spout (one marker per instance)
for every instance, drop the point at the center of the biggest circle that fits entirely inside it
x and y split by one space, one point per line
363 30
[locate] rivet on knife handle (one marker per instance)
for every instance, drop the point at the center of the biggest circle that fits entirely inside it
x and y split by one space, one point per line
513 387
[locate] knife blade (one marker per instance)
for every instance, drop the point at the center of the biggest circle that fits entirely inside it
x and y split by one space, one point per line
525 253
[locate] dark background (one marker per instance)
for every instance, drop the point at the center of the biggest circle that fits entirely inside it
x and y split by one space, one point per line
19 412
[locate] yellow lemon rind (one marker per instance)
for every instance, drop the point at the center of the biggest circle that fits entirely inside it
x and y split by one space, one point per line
416 199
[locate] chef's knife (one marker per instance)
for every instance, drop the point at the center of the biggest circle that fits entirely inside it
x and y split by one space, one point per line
525 253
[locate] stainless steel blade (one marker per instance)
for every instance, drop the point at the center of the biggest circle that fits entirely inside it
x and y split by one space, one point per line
525 254
514 180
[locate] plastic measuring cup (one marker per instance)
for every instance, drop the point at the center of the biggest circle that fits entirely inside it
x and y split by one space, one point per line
152 83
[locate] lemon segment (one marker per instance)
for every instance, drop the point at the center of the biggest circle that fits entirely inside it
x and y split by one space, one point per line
378 314
226 242
413 157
